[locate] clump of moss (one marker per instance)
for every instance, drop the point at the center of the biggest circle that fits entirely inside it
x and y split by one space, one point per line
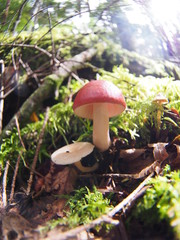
83 207
160 205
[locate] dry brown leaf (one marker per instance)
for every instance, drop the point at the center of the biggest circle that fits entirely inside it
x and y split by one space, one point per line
175 162
159 151
141 162
63 181
131 153
133 161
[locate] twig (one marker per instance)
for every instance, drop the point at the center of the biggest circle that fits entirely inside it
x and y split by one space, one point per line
105 218
68 66
14 178
6 12
10 91
19 133
27 46
17 163
52 41
37 152
5 184
29 70
131 197
143 173
72 74
1 95
19 16
71 233
34 10
29 20
58 23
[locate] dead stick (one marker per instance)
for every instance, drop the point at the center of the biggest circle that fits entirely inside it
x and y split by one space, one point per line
1 95
19 132
131 197
13 184
14 178
5 183
37 152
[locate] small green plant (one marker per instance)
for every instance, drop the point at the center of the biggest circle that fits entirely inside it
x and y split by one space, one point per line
10 148
83 207
161 203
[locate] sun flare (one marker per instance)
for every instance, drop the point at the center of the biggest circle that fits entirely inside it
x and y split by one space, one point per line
165 11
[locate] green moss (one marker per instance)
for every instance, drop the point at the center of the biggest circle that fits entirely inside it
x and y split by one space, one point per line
83 207
161 202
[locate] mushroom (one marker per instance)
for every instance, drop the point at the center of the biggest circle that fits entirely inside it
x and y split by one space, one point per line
159 100
73 153
99 100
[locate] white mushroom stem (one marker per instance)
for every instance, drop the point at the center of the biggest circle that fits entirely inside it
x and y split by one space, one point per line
159 114
101 138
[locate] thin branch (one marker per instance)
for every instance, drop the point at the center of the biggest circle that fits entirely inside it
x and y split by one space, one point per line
71 73
29 70
1 95
19 133
14 178
28 21
19 15
66 67
37 152
35 9
52 41
13 184
130 198
27 46
5 184
10 91
6 11
55 25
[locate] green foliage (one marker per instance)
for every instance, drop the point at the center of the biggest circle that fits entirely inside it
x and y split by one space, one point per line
83 207
10 148
59 120
61 123
161 201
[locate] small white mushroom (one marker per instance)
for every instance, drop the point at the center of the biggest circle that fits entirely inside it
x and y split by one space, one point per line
73 153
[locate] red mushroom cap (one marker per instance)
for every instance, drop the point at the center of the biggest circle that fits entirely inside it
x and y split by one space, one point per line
99 91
